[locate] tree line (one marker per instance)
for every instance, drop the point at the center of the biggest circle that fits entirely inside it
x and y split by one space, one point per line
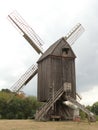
17 106
93 108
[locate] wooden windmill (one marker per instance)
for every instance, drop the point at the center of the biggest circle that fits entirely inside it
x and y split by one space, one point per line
56 73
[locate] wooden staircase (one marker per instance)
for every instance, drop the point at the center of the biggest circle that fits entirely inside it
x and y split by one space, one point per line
46 107
91 116
25 78
43 110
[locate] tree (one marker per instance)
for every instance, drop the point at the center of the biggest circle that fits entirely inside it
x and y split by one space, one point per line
16 106
82 115
6 90
89 107
94 108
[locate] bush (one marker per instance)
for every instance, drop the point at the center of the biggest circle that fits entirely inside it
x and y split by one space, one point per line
14 106
96 117
82 115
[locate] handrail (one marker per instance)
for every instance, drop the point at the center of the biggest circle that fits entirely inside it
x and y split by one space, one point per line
41 112
90 114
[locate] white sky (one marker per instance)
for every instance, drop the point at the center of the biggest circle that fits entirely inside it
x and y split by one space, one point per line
51 19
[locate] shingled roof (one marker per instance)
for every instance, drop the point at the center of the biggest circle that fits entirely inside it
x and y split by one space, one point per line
50 50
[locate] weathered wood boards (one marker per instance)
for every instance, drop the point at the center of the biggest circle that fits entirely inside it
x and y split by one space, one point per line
55 67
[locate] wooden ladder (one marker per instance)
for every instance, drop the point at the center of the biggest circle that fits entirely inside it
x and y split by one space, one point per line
45 108
25 78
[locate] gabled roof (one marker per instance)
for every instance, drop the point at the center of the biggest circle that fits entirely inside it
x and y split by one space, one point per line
51 49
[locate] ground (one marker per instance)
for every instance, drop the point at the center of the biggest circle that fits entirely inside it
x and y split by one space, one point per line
33 125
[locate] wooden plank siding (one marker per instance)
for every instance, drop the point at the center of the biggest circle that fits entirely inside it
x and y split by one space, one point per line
44 77
54 69
68 66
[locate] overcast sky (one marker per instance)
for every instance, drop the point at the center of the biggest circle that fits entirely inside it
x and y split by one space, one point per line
51 19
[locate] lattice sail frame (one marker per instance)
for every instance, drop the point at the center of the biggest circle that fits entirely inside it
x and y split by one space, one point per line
74 34
26 31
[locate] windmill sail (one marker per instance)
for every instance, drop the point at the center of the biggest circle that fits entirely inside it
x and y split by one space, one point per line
74 34
27 32
25 78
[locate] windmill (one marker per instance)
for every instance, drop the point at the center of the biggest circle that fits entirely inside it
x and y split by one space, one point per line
56 73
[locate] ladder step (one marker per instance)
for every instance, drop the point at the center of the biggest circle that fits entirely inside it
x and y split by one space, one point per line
44 109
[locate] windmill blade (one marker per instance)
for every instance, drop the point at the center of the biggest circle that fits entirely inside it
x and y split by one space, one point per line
27 32
74 34
25 78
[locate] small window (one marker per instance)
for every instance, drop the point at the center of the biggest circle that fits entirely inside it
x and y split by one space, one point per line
65 51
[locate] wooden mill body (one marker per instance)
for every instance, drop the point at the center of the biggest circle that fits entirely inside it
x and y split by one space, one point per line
56 67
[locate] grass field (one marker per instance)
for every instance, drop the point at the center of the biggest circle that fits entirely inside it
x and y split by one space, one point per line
33 125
